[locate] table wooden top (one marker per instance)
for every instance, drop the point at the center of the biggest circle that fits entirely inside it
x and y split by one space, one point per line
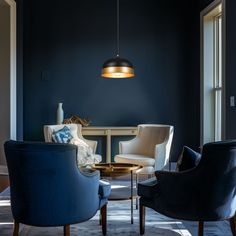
109 127
116 167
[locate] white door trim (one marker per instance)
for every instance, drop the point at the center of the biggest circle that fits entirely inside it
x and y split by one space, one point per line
13 93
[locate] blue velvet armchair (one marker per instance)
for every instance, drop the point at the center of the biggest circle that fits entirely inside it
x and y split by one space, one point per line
206 192
47 188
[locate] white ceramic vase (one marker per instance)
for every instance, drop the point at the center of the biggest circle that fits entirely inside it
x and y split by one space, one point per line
60 114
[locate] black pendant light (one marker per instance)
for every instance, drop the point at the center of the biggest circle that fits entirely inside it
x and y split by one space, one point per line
118 67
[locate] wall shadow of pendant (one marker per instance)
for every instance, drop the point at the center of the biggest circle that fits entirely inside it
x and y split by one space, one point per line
77 120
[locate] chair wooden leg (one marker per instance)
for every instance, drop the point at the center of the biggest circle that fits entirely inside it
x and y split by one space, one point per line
141 219
66 230
16 229
100 218
200 228
104 219
232 225
137 191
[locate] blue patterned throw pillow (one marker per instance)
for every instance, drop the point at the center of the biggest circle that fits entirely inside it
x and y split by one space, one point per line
62 135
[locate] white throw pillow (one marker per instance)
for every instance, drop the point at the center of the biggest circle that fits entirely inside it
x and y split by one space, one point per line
84 152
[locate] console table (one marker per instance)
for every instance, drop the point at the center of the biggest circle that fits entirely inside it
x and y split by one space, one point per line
109 132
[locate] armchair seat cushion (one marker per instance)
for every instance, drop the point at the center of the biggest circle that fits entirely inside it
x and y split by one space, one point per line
104 189
145 161
135 159
148 188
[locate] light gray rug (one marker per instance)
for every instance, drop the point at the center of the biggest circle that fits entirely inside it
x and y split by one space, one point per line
118 224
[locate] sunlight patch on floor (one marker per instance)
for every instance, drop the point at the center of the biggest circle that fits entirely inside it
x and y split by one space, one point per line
163 222
6 223
118 186
4 203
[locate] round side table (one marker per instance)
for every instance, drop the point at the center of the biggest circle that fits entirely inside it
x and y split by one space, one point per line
119 169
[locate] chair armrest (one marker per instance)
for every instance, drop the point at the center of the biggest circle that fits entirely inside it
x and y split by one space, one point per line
129 147
161 156
175 176
90 178
104 186
47 132
181 186
104 189
88 194
88 172
162 152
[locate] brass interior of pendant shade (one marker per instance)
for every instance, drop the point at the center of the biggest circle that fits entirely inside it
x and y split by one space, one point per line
118 72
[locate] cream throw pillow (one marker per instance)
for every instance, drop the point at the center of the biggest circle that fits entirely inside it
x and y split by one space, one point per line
84 152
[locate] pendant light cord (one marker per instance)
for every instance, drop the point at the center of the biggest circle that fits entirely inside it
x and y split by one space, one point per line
118 27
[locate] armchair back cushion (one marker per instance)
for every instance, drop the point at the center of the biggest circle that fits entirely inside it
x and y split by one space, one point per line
73 134
217 173
147 138
75 130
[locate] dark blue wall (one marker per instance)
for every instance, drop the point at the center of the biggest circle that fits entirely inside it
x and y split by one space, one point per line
204 3
66 43
230 67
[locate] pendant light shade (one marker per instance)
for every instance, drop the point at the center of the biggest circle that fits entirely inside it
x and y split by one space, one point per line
117 67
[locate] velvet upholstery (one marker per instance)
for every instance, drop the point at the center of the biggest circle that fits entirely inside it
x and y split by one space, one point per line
148 188
204 193
188 159
47 188
104 189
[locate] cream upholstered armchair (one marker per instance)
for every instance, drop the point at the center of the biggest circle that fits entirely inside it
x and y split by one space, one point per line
150 148
76 132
